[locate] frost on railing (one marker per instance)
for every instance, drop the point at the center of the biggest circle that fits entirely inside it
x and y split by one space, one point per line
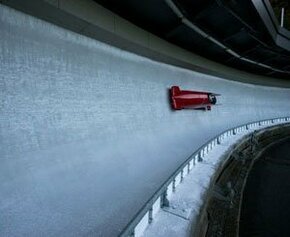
161 198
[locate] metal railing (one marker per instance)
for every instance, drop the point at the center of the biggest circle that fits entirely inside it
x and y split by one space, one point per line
160 198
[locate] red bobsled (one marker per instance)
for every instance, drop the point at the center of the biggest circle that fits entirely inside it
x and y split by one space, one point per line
181 99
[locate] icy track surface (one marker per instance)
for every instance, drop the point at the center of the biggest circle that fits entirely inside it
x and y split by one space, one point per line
87 133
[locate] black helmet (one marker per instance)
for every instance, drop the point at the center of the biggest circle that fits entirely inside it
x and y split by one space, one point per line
212 99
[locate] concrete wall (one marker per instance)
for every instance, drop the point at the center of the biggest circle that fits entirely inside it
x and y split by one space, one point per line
86 130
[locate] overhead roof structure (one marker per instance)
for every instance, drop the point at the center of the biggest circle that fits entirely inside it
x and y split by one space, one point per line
241 34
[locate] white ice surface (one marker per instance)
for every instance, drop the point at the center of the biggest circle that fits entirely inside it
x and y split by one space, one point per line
86 130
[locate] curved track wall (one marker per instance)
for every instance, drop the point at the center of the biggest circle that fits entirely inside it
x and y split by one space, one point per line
86 130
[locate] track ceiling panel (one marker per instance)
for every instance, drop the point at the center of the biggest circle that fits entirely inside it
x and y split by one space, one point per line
227 31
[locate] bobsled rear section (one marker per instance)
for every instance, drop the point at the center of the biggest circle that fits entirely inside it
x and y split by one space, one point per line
174 93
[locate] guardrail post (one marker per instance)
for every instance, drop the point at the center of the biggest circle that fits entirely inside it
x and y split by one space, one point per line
247 127
234 131
199 159
218 140
164 200
188 167
150 215
173 186
181 176
272 120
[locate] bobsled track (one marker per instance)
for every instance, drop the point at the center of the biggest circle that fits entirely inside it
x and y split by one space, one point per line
87 134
